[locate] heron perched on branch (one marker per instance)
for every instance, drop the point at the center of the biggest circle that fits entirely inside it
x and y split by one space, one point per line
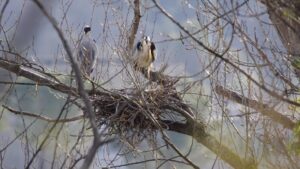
144 55
87 52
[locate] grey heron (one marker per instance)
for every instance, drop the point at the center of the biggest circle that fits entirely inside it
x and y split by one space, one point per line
87 52
144 55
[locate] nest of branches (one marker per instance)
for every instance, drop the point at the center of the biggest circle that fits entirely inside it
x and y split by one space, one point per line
138 114
132 114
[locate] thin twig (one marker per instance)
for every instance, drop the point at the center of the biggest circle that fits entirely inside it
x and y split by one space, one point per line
47 136
179 153
3 9
40 117
24 83
37 76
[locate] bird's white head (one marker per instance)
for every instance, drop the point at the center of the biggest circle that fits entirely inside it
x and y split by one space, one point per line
147 39
87 29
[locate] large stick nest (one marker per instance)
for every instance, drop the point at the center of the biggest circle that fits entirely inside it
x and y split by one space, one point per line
135 114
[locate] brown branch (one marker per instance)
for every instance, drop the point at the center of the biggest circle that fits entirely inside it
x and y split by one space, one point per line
40 117
34 155
40 77
173 146
260 107
23 83
135 24
287 26
127 164
195 130
3 9
37 76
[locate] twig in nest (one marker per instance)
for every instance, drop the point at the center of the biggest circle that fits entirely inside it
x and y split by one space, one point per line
158 77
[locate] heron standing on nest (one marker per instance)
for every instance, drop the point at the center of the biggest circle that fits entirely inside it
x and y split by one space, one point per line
144 55
87 52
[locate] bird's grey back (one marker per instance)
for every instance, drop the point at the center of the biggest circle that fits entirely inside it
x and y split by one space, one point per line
87 53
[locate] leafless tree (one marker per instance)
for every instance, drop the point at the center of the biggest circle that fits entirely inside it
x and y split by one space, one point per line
233 104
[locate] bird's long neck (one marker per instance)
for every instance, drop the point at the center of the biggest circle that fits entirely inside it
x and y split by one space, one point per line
87 33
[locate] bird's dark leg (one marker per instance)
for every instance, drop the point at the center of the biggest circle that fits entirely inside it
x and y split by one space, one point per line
93 86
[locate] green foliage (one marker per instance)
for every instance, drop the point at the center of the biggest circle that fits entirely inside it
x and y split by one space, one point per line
296 63
294 146
289 13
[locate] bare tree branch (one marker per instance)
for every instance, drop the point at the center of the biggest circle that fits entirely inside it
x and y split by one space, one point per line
23 113
179 153
226 60
37 76
260 107
3 9
28 165
135 24
228 46
195 130
287 26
